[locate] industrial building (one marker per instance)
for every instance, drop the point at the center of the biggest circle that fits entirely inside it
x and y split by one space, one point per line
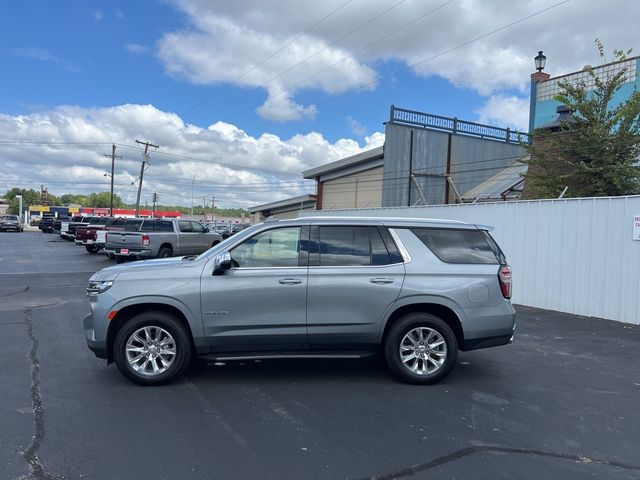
426 159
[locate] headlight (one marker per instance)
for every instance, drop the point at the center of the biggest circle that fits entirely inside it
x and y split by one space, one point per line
97 286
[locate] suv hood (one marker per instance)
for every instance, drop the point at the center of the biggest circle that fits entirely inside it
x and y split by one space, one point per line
142 267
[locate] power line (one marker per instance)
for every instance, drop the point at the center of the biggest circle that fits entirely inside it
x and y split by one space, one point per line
428 59
261 86
333 12
352 56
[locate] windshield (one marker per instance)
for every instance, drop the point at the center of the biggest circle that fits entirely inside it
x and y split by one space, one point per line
10 217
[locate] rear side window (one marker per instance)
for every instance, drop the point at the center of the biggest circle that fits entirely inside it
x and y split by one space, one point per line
116 222
185 226
458 246
163 226
344 246
132 225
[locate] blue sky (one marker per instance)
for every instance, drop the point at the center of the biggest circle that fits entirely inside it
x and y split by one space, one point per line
74 53
112 71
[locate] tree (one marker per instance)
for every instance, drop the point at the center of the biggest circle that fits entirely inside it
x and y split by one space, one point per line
596 151
29 197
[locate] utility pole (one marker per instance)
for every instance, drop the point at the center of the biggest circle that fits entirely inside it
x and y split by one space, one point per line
113 165
145 157
155 202
204 207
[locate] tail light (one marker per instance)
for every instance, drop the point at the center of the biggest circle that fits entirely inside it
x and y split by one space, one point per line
504 278
145 240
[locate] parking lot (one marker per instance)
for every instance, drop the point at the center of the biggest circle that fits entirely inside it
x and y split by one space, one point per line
561 401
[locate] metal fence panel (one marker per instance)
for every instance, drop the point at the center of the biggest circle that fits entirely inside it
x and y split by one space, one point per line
570 255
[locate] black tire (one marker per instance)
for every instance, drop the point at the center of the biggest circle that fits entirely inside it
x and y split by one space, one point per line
165 252
215 243
91 248
167 322
111 256
120 259
398 332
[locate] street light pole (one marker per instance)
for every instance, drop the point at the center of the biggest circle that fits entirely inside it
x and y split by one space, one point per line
19 197
113 164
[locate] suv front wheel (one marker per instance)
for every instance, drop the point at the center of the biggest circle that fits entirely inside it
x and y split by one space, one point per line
421 348
152 348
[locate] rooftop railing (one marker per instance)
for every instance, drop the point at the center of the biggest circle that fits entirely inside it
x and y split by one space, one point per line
403 116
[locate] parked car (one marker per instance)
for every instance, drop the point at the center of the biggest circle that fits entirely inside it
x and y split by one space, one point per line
161 238
68 228
415 290
10 222
86 234
120 224
46 224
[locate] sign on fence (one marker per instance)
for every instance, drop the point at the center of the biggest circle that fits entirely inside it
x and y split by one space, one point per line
636 227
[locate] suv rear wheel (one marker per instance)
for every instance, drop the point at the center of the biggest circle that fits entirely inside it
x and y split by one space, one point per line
421 348
152 348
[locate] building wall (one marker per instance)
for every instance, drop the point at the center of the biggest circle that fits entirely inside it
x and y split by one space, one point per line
545 107
358 190
472 161
570 255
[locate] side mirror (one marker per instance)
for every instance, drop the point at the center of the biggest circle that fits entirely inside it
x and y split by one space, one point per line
221 263
206 230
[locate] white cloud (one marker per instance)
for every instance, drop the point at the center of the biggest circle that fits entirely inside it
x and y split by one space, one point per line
357 128
44 55
98 15
481 45
505 111
137 48
268 167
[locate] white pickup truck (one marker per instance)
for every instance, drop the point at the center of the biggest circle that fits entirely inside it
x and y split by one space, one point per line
160 238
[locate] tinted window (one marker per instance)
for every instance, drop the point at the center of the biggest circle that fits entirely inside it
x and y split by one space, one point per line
344 246
163 226
132 225
275 248
185 226
392 248
197 227
457 246
379 253
116 222
147 226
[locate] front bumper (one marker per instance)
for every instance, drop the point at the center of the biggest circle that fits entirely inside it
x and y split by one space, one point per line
98 347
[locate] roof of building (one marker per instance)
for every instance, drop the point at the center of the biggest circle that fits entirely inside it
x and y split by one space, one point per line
287 202
502 182
362 157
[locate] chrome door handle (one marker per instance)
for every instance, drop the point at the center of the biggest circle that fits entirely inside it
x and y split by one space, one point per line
381 281
290 281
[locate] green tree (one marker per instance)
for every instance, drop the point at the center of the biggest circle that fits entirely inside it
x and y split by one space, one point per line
595 152
102 199
29 197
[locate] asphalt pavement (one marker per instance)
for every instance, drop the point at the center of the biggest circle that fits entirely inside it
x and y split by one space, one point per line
562 401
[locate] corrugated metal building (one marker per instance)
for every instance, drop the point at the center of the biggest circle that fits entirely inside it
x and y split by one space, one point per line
283 209
352 182
434 160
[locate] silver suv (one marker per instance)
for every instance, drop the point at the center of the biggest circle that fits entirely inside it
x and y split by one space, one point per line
415 290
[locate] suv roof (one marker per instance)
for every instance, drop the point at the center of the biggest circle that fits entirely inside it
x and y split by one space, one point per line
389 221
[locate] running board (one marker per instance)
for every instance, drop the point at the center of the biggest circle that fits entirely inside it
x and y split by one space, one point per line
288 355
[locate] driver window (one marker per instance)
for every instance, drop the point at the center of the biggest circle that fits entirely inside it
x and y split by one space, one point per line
274 248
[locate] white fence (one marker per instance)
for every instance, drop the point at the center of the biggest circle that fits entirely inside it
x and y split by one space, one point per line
570 255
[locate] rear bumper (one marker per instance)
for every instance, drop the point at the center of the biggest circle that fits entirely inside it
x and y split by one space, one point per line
133 253
487 342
